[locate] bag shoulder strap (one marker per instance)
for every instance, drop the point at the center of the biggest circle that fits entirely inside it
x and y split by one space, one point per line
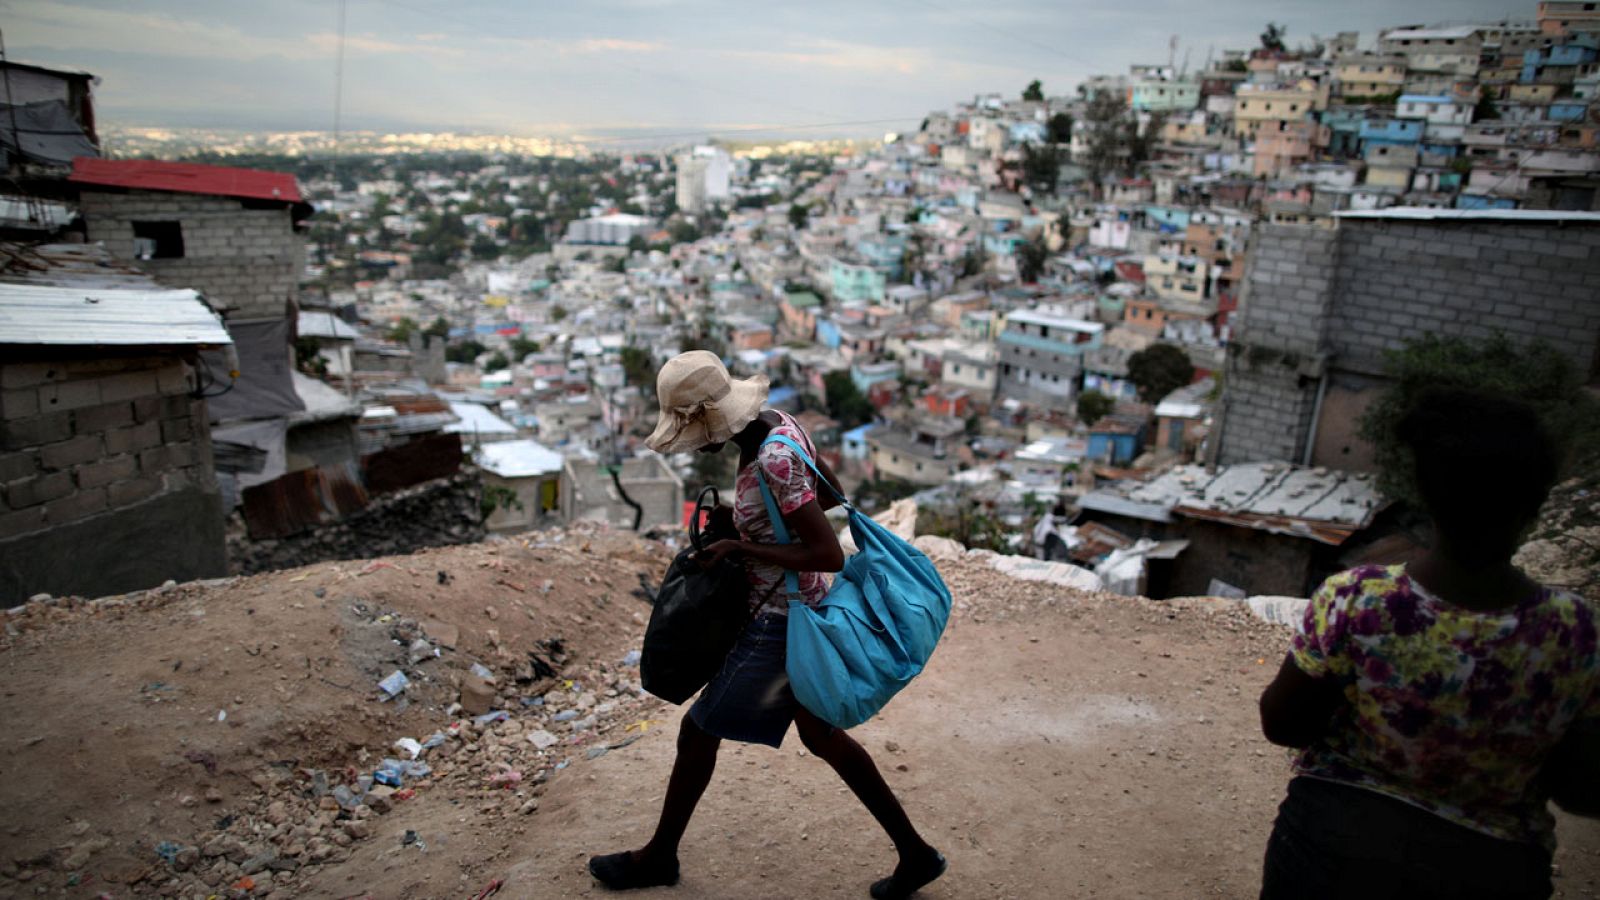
791 581
795 446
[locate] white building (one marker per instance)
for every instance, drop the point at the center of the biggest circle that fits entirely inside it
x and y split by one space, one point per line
703 178
617 228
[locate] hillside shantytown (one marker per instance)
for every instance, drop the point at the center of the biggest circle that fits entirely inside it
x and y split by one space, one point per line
1121 336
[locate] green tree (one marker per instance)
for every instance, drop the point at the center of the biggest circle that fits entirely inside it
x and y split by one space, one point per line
557 313
1486 108
1060 128
1034 92
1535 373
1094 406
496 362
1272 37
1040 168
846 403
521 347
798 214
1031 257
402 330
638 368
1158 370
465 352
1108 121
439 328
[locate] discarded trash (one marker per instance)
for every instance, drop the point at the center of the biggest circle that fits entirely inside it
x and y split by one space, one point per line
532 701
597 752
412 838
631 658
490 889
422 650
565 715
482 671
434 740
387 777
410 745
395 684
168 851
222 715
346 798
487 718
405 793
245 884
507 779
542 739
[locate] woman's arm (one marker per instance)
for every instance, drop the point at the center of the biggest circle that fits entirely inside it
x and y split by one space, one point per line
828 499
1296 708
813 546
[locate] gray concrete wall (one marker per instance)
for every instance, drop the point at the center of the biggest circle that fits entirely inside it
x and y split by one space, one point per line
1333 301
87 448
247 262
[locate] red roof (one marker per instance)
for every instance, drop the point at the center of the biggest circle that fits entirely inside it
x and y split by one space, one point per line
186 178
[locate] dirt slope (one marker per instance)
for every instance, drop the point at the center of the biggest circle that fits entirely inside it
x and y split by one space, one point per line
1060 744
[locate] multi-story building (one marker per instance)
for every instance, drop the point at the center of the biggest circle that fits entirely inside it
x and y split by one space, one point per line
1163 95
1263 106
1041 355
1367 76
1455 50
1560 18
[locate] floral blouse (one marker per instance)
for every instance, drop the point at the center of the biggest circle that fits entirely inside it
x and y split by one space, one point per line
793 485
1451 710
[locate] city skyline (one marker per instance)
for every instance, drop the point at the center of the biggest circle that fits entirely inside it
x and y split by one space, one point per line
622 69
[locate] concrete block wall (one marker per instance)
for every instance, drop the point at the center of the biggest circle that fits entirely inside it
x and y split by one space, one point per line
84 437
1400 279
247 262
1350 294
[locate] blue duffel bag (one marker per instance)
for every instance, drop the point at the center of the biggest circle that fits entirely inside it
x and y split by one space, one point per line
876 628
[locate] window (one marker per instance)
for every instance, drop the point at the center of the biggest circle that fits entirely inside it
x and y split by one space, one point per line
157 240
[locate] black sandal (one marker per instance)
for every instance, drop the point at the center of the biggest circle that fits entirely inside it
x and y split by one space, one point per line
896 887
619 872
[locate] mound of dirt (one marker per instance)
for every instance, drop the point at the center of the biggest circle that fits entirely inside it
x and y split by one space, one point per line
219 739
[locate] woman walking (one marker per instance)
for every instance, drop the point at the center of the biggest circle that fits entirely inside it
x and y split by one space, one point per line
703 408
1440 704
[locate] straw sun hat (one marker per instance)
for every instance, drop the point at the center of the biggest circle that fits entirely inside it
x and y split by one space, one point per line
702 404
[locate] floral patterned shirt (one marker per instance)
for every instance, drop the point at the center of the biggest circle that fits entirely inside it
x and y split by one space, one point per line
1450 710
793 485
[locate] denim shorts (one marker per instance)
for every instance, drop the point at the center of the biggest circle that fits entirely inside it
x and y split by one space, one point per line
749 700
1336 840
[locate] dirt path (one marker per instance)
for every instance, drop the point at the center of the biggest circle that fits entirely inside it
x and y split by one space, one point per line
1060 745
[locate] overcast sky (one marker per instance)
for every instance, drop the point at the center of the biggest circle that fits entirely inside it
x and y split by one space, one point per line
564 67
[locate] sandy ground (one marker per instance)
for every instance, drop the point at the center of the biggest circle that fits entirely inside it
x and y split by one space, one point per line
1060 744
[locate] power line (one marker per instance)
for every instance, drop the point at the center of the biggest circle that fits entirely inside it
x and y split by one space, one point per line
1000 31
746 128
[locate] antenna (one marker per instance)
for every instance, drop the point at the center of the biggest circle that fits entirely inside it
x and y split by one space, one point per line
338 90
1172 51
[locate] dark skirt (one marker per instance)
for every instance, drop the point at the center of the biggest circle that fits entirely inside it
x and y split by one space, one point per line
749 700
1335 840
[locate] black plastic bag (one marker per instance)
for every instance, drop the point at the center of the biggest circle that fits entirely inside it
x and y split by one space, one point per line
698 612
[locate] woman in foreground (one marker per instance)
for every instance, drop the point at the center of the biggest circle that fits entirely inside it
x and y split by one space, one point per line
702 409
1441 704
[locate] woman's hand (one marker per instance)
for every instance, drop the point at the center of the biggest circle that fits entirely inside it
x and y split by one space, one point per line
719 550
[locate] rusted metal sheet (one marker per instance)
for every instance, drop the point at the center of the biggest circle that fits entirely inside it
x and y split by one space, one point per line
1333 533
424 459
300 501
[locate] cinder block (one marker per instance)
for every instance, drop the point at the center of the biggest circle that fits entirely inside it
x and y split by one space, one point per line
174 380
106 471
133 438
19 403
106 416
22 375
66 454
32 432
17 465
68 395
76 506
37 489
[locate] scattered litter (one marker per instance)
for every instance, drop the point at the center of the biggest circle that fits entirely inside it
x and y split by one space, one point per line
542 739
490 889
566 715
168 851
222 715
246 884
434 740
412 838
422 650
482 671
395 684
410 745
405 793
507 779
488 718
631 658
597 752
345 797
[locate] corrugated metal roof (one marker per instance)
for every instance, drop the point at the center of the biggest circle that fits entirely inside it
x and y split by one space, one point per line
519 459
1492 215
1321 504
476 419
322 324
67 316
186 178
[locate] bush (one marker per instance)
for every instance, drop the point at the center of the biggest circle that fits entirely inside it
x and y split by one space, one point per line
1534 373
